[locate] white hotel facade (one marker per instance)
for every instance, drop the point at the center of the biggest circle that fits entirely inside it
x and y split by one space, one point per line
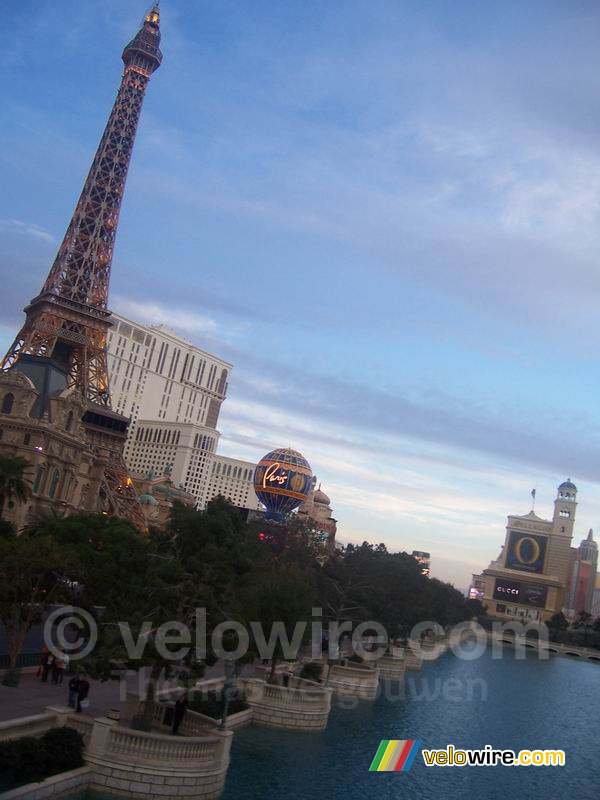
172 392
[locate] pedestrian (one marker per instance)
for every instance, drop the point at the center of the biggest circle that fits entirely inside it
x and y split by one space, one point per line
73 691
60 666
82 694
47 664
179 713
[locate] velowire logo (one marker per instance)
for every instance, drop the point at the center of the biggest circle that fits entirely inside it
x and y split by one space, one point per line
395 755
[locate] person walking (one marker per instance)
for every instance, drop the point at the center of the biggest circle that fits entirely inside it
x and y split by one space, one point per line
82 694
179 713
58 668
73 691
47 665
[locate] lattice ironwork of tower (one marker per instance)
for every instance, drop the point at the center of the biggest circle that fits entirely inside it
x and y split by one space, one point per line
66 324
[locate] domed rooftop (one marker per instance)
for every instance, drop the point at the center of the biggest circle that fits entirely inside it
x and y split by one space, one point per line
12 377
321 497
568 484
148 500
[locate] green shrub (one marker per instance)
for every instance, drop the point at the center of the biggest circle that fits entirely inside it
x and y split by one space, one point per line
64 749
213 703
312 671
30 759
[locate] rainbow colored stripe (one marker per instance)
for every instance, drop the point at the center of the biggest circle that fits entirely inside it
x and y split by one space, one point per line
395 755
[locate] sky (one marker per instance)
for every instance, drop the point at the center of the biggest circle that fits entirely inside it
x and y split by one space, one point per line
385 215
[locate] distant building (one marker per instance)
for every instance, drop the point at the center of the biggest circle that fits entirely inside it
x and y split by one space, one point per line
582 579
477 588
424 560
172 391
529 578
232 478
64 472
596 599
157 495
317 512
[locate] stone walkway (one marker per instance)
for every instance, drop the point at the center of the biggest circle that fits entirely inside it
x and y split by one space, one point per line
32 696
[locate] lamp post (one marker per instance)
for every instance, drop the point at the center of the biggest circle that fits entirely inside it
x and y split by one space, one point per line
230 680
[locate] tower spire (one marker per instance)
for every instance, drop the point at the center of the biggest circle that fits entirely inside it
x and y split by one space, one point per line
69 318
62 344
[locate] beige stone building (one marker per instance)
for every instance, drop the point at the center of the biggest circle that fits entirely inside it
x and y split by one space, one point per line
64 472
233 478
528 580
317 511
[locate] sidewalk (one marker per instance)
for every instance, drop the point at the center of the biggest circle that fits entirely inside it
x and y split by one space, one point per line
32 696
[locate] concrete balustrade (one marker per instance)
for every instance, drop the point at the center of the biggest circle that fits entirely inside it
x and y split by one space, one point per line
122 762
35 725
392 664
353 679
413 659
300 706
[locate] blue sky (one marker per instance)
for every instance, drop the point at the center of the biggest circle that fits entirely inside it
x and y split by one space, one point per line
386 215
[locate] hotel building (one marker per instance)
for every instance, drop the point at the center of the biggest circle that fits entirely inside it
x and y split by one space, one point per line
529 579
234 479
172 392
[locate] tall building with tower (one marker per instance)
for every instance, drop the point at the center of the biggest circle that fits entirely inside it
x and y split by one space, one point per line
582 577
54 388
529 579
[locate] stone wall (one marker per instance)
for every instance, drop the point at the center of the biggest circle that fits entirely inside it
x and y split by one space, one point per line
291 707
124 763
120 779
353 679
67 784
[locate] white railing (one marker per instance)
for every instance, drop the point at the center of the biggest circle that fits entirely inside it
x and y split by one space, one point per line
82 725
152 748
27 726
356 674
313 699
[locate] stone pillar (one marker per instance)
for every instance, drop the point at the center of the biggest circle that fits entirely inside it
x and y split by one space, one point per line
99 735
61 713
225 746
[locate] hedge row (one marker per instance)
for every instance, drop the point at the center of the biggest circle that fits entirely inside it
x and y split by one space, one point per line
31 758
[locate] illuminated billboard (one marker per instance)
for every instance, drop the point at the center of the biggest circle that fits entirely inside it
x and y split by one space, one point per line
423 559
526 551
526 593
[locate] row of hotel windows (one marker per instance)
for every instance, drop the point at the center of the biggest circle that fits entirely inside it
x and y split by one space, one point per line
219 386
161 435
232 472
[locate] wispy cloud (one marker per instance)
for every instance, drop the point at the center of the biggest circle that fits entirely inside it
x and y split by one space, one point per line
157 314
20 228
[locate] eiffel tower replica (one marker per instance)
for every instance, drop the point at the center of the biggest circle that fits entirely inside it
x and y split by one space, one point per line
62 344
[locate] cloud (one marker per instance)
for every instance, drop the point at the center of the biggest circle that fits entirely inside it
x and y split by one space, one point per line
18 227
157 314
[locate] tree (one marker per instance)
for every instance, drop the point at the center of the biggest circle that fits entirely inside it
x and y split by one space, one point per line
13 483
557 623
275 598
584 622
32 575
194 563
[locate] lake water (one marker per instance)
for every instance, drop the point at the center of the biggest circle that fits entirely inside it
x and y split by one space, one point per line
524 704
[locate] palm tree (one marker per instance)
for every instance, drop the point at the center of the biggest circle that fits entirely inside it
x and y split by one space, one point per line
13 483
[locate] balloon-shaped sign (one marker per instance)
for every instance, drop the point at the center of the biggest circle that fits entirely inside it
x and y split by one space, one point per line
282 480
